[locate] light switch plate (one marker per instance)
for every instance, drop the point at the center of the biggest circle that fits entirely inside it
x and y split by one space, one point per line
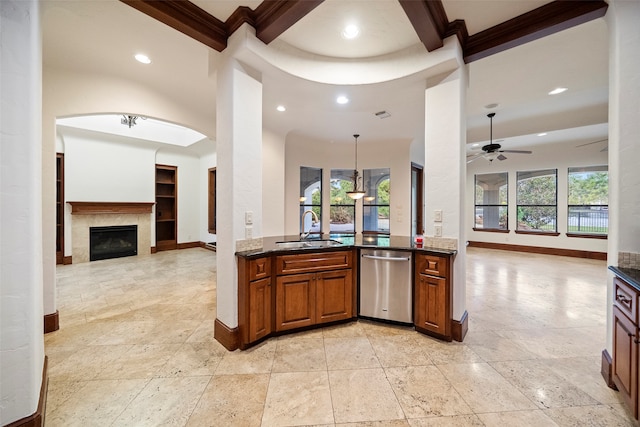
437 215
248 218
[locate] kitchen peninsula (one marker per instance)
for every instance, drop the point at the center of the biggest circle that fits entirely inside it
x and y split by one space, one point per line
291 284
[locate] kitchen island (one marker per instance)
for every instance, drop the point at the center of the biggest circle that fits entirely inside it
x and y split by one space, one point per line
290 284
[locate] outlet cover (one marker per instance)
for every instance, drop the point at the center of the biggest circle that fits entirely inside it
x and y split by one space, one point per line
438 230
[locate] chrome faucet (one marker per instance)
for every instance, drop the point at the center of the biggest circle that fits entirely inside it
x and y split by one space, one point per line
304 235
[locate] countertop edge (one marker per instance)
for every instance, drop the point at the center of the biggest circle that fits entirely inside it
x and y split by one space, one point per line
629 275
262 252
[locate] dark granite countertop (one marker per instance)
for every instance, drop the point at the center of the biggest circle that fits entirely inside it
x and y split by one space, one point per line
269 244
629 275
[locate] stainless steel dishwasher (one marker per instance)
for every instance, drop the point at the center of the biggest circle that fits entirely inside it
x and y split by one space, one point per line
385 285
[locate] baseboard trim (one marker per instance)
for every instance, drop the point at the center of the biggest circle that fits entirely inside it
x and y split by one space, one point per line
154 250
459 328
541 250
51 322
606 369
37 418
188 245
67 260
226 336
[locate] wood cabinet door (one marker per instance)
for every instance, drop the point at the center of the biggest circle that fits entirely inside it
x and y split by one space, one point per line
334 296
259 309
430 310
625 359
295 301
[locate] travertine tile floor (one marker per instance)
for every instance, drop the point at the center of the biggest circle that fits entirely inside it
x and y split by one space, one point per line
136 348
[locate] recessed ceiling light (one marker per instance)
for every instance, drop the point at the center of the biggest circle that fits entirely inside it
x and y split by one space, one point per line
542 134
351 31
557 90
475 145
140 57
342 99
491 106
281 108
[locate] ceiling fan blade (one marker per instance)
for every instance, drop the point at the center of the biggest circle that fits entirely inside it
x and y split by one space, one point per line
516 151
474 157
501 157
594 142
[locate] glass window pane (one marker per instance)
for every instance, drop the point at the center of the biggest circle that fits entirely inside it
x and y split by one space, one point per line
588 200
342 211
491 189
537 218
310 199
491 217
375 212
537 187
588 219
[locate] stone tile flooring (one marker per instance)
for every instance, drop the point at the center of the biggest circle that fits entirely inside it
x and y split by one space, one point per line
136 348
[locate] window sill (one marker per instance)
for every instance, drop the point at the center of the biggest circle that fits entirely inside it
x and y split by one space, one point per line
538 233
588 236
491 230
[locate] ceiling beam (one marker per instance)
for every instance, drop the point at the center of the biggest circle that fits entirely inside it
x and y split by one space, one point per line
187 18
541 22
274 17
429 20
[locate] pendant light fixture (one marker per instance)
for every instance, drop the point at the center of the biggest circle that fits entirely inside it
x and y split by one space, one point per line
356 193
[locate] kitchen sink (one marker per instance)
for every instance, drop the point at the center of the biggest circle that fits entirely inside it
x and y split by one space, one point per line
302 244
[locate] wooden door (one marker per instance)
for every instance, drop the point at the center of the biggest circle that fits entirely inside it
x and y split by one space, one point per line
259 309
334 296
625 359
295 301
431 304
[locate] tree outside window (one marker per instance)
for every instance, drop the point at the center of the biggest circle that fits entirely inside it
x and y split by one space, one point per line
537 200
343 208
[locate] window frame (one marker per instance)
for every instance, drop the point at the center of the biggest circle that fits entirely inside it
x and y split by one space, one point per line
520 205
350 206
385 174
310 206
601 206
504 205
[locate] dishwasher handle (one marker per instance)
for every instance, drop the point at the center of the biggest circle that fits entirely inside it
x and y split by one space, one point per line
384 258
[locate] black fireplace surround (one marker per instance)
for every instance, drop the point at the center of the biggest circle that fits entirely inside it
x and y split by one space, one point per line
113 242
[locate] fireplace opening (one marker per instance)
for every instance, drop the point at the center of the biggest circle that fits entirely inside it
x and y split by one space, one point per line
113 242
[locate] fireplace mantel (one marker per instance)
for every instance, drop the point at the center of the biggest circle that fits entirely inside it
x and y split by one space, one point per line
94 208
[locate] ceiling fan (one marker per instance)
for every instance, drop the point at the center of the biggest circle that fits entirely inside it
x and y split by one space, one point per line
492 151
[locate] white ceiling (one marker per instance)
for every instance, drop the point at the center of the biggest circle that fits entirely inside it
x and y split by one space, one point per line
102 37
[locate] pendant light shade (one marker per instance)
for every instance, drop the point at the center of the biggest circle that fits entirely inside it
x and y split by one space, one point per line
356 193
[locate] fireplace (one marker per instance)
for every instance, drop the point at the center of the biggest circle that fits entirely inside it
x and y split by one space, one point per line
113 242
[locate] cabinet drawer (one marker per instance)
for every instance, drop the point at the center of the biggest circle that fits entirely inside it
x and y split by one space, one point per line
432 265
259 268
625 297
310 262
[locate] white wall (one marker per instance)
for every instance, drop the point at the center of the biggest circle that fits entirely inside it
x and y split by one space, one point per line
302 151
273 184
556 156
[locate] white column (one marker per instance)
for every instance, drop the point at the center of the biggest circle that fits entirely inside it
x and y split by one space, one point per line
21 314
239 174
445 170
624 134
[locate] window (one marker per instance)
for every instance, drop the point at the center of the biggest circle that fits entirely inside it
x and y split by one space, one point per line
375 208
588 200
537 201
491 202
311 199
212 201
343 208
